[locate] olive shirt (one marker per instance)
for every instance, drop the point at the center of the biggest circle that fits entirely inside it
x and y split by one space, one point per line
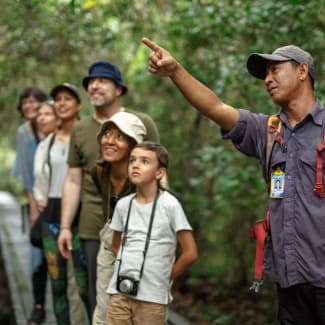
83 152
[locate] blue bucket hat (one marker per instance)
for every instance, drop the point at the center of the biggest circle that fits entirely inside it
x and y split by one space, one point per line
105 69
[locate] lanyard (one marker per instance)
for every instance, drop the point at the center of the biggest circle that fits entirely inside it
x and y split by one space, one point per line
148 233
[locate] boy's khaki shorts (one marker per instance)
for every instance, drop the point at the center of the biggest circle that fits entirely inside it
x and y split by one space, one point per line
123 310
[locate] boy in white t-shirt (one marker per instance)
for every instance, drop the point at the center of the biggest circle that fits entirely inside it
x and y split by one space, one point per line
147 226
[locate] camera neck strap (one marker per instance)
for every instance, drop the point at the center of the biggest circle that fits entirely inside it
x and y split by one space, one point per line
153 210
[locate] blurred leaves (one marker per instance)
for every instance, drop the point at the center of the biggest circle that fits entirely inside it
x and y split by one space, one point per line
46 42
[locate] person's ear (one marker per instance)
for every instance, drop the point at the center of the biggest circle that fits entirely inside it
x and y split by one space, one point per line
79 106
119 91
161 172
303 71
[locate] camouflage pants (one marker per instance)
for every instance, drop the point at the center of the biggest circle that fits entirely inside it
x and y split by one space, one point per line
58 271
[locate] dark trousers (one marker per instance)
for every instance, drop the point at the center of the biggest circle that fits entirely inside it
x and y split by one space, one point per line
39 279
90 249
302 304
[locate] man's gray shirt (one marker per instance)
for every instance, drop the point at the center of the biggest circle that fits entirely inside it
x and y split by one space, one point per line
295 251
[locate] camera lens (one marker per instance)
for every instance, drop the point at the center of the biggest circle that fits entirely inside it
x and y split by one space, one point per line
126 286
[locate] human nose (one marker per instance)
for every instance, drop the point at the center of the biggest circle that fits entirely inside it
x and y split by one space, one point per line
134 163
268 77
59 100
58 103
26 106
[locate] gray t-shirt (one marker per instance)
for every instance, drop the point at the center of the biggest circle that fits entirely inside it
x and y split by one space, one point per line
169 218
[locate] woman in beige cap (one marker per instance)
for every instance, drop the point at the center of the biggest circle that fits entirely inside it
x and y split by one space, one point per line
117 137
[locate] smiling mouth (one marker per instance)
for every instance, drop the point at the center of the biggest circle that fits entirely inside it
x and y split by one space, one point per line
62 111
95 95
109 150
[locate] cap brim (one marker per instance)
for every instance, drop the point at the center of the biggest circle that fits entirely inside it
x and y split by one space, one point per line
120 126
103 127
256 63
85 82
56 89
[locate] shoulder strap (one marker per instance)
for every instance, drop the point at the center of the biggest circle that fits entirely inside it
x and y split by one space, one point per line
34 129
48 160
319 186
274 125
175 194
49 147
99 172
261 228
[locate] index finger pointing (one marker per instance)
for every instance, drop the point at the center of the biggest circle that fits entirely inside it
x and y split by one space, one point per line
152 45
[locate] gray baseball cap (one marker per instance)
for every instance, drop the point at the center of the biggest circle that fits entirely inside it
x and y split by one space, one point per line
66 86
256 62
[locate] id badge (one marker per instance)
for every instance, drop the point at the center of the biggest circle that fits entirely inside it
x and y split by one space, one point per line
277 184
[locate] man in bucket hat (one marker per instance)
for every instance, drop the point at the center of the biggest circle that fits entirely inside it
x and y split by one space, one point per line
295 256
105 87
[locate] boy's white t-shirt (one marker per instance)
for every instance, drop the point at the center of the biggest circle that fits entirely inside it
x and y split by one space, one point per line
169 218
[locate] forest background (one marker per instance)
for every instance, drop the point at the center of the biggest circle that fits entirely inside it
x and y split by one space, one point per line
44 43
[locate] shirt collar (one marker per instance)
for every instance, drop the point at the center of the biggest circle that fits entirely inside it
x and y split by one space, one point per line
315 113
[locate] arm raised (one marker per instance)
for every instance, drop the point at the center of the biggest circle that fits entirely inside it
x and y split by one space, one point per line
163 64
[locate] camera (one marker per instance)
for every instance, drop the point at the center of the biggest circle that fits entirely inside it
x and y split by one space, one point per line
127 285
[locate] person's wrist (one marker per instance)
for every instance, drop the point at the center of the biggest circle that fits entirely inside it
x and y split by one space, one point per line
176 69
65 228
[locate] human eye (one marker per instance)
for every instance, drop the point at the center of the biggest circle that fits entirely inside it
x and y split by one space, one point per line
131 160
145 161
275 68
107 133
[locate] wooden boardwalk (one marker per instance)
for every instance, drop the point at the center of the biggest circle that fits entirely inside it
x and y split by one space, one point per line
15 248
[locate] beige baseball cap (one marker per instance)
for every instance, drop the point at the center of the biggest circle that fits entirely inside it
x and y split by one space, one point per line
128 123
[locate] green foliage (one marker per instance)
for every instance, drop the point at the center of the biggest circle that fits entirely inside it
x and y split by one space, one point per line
46 42
222 194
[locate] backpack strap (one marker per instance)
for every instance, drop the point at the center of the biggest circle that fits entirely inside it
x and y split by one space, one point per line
261 227
273 135
35 133
319 186
48 160
259 232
